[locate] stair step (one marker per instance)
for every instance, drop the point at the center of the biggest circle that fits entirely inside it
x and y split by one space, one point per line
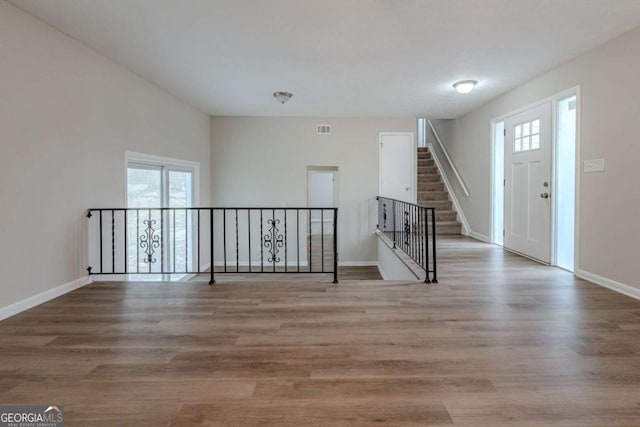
448 228
434 177
424 156
427 170
433 195
446 216
445 205
426 162
430 186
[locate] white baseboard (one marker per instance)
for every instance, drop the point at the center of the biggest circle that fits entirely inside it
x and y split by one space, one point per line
358 263
42 297
622 288
479 236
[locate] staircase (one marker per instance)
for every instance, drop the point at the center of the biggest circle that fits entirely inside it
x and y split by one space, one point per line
432 193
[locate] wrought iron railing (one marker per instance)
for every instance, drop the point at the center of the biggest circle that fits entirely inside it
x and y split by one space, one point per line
411 228
213 240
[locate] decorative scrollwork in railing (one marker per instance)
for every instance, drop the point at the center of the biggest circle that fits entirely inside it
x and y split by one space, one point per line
149 241
407 229
273 241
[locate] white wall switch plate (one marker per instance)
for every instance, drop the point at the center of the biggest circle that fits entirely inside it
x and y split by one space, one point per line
594 165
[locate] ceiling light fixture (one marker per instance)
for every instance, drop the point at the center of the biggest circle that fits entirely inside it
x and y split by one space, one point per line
282 96
465 86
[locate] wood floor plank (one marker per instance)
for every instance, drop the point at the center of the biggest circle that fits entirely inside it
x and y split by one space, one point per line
499 341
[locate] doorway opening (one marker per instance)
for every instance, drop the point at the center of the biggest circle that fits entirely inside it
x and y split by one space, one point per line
322 193
158 182
557 197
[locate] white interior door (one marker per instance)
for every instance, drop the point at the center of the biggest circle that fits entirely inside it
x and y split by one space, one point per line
397 166
322 194
527 186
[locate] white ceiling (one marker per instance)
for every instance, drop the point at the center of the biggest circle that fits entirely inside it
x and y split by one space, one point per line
338 57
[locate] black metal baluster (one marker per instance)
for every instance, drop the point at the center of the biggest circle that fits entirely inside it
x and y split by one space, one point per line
249 234
173 264
212 280
335 245
433 239
414 246
113 246
426 243
420 232
237 250
284 212
410 237
137 240
393 209
162 241
126 248
378 213
310 243
298 238
186 241
322 238
224 237
198 247
410 230
409 246
273 241
261 245
149 225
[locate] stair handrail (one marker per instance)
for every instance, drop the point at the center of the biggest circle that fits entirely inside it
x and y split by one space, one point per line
451 164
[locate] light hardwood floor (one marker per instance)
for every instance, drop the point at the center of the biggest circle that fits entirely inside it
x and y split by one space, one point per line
500 341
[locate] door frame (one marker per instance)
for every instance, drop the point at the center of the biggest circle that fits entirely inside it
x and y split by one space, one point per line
414 163
165 165
170 164
335 171
554 99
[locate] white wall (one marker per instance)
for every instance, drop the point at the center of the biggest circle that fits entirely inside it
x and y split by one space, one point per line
610 108
67 114
263 161
390 265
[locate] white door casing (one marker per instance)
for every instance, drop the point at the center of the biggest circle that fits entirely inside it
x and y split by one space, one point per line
527 187
322 193
397 166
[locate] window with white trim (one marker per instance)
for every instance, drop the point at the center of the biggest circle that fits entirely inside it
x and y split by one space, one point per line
526 136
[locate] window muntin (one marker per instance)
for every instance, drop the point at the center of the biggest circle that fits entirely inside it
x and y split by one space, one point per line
526 136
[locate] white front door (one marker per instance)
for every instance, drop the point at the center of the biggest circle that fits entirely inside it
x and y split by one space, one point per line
397 166
527 186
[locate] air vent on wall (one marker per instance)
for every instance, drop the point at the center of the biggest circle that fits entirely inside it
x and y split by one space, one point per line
323 129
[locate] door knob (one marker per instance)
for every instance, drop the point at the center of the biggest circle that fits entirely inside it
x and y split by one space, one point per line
544 195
